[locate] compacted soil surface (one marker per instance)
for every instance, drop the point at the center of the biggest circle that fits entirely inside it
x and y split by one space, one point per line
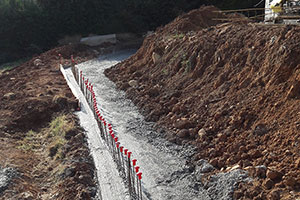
230 89
43 151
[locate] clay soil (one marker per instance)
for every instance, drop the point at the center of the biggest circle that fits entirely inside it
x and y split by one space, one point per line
32 95
231 89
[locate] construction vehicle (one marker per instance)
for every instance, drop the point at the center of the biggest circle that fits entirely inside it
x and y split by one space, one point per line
282 11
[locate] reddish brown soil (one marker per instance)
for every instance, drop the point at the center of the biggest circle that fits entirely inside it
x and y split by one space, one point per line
31 95
240 82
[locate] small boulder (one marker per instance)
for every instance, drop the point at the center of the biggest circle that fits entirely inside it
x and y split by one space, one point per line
268 184
184 133
155 57
274 195
204 167
289 181
222 137
235 167
260 129
10 96
214 162
202 133
255 153
123 85
297 163
37 62
183 124
85 179
273 174
153 92
260 171
133 83
68 172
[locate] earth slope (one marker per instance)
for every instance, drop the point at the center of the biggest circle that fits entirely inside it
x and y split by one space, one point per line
231 89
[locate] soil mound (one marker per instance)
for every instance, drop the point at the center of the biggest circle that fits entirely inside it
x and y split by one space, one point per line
231 89
32 92
31 95
194 20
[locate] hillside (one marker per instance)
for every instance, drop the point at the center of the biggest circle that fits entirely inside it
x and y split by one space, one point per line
231 89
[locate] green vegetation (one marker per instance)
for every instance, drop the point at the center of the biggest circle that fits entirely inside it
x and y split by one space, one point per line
51 138
57 132
33 26
30 142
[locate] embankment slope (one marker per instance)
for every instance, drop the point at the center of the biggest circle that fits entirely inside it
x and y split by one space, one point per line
231 89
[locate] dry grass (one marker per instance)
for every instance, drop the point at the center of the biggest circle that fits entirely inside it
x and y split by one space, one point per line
51 138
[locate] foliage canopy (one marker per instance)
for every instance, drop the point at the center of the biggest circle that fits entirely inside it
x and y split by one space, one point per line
32 26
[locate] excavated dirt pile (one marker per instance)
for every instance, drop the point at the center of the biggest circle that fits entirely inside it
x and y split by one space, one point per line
41 144
231 89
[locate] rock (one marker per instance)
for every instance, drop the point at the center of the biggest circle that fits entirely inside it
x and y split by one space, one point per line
26 196
217 116
235 167
222 137
260 171
214 162
85 179
297 163
10 96
207 168
274 195
268 184
176 108
69 172
237 195
133 83
123 86
192 132
289 181
183 124
202 133
274 175
260 129
155 57
84 195
204 167
251 170
220 80
184 133
153 92
256 154
37 62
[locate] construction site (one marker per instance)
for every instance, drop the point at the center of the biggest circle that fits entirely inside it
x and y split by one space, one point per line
208 104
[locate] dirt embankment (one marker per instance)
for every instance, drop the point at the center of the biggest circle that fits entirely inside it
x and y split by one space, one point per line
39 136
231 89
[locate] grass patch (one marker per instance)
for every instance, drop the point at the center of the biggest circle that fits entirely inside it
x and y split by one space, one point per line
179 36
31 142
59 126
51 138
56 133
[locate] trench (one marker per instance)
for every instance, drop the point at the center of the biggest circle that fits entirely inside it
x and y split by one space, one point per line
163 164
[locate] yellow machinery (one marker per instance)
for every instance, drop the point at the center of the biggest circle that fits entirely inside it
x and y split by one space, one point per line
282 11
275 12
